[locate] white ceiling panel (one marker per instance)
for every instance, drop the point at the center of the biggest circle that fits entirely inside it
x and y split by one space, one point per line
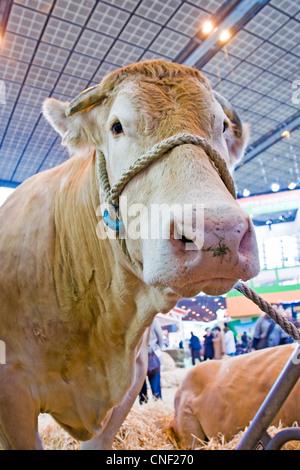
51 57
244 73
12 70
264 82
287 6
140 32
108 20
266 22
43 6
41 77
75 11
288 36
265 55
69 85
287 66
187 20
128 5
93 44
81 66
18 47
243 44
169 42
60 33
25 22
123 53
159 11
222 65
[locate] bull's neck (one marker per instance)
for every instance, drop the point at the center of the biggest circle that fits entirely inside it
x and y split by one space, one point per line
92 277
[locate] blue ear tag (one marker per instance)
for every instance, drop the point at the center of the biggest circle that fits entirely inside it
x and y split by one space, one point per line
114 224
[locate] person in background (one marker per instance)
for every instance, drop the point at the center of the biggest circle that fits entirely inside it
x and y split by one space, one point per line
230 348
218 342
195 347
155 345
208 345
267 333
244 340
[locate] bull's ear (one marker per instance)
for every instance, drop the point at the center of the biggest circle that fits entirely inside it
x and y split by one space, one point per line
238 139
237 145
71 129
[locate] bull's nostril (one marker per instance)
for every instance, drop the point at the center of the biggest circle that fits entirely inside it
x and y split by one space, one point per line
244 241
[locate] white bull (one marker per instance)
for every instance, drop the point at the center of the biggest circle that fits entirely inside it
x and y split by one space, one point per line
75 305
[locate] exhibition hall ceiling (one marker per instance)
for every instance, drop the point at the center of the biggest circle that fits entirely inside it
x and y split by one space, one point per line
58 48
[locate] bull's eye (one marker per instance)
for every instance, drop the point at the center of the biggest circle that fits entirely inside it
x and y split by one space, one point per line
225 126
117 128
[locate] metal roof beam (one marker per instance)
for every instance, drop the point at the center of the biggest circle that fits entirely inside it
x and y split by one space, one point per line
270 139
5 7
8 184
216 19
236 18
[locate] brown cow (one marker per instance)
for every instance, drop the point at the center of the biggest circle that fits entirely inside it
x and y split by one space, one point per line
75 305
223 396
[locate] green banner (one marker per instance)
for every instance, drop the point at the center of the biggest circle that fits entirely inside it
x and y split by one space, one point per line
271 202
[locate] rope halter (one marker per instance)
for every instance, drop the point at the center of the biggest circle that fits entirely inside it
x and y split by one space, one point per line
111 215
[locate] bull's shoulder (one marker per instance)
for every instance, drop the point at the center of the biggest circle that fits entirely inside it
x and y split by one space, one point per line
26 216
261 366
201 375
32 203
236 369
27 234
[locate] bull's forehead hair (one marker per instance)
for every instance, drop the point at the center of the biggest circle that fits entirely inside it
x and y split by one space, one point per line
158 71
155 71
171 96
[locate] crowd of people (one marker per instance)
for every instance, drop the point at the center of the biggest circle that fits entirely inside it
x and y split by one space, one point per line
218 344
215 345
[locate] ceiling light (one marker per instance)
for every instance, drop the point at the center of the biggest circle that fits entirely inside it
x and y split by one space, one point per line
246 192
285 133
275 187
193 300
225 35
292 185
207 27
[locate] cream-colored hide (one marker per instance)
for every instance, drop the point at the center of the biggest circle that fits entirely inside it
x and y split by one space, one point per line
75 306
224 396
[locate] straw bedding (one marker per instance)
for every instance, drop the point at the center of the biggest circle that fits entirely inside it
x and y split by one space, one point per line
147 426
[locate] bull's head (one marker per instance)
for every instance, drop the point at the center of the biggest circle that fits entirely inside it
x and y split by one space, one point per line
123 117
